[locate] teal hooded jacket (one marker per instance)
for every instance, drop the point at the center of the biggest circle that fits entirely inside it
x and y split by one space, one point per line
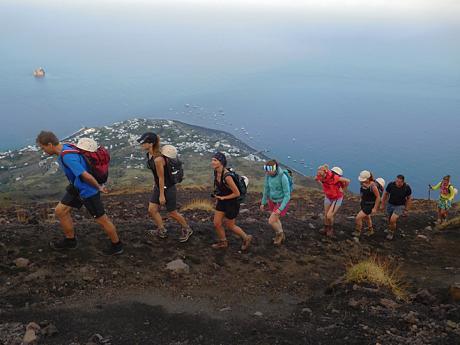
276 188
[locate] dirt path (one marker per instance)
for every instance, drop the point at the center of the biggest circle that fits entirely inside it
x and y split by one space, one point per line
266 296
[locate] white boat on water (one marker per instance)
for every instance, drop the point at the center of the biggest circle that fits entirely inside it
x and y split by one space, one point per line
39 73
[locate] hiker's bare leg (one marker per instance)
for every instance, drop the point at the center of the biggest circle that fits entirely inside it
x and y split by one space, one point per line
331 213
393 222
108 227
218 220
444 215
178 218
359 221
230 224
155 215
326 211
369 222
62 213
275 222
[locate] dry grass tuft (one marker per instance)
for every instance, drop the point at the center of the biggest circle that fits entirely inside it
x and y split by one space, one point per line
22 215
199 204
377 272
454 222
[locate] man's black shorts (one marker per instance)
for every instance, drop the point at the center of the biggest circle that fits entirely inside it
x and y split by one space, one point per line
231 208
93 204
170 196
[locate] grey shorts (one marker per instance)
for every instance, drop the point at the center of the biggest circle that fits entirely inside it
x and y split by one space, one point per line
395 209
170 196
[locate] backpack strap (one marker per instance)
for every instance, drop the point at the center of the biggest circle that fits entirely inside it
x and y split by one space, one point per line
75 150
228 173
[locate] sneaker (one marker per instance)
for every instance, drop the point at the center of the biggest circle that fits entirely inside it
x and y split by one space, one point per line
113 249
186 233
64 244
162 233
151 233
222 244
370 232
390 236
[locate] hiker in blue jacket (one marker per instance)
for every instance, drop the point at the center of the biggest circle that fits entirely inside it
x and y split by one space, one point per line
277 194
83 189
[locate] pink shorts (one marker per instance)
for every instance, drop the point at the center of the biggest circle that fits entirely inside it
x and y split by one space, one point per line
274 206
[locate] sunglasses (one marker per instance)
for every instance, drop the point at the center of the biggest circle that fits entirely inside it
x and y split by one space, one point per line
270 168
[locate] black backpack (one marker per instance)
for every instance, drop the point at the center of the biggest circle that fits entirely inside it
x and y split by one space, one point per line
240 182
175 170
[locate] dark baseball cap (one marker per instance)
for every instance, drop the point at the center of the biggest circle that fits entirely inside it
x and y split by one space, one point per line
149 137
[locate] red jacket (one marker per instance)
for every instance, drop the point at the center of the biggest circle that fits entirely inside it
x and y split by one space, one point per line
332 187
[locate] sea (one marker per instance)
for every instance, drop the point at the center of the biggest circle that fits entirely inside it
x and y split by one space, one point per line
362 88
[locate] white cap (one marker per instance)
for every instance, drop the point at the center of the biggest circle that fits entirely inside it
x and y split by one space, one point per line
169 151
337 170
380 181
87 144
364 175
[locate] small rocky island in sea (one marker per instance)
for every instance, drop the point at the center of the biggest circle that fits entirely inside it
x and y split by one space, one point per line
39 73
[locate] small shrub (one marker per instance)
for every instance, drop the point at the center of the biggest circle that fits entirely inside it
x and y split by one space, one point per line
22 215
199 204
452 223
376 272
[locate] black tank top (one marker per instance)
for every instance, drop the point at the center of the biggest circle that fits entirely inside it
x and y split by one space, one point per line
151 165
221 188
367 194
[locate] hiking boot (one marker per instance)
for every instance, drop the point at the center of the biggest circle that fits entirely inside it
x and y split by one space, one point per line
222 244
246 243
280 237
356 234
186 233
113 249
330 232
151 233
64 244
162 233
390 235
370 232
323 231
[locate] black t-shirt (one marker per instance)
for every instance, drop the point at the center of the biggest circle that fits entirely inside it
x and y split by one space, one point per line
398 196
